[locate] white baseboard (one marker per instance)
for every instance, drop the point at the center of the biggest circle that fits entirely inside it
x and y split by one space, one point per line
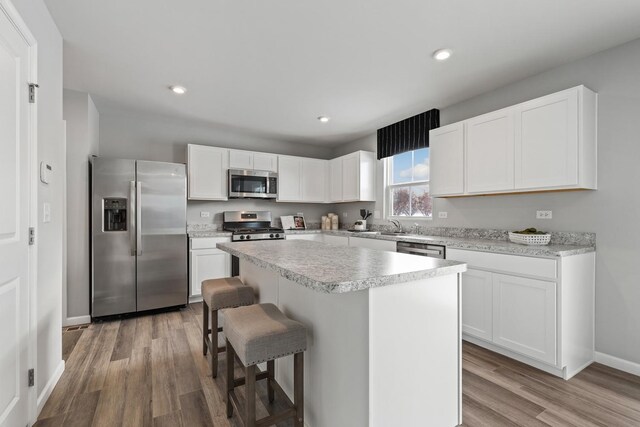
79 320
195 298
46 392
617 363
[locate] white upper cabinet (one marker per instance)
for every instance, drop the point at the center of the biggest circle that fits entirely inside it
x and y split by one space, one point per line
490 152
207 172
352 177
446 147
265 162
546 144
240 159
314 180
289 179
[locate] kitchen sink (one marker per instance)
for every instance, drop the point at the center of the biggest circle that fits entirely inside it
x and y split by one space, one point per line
393 233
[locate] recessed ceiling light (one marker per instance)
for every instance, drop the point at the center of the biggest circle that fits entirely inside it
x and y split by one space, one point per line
180 90
442 54
324 119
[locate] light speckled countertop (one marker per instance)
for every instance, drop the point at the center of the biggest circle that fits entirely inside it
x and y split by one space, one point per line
338 269
483 245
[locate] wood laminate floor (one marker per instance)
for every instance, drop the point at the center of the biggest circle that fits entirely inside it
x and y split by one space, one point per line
149 371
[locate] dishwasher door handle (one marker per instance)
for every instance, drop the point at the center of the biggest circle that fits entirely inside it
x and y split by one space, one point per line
420 251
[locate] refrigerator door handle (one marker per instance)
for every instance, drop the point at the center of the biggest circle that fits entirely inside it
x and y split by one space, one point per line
132 215
138 218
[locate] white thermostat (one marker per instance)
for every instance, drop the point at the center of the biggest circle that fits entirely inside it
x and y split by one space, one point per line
45 172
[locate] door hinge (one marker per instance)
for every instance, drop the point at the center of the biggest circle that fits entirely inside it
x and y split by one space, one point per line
32 377
32 236
32 93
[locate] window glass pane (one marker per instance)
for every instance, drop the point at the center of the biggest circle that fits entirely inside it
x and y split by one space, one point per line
402 168
421 165
401 201
420 201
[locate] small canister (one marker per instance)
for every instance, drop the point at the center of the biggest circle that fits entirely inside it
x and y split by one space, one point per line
334 222
323 222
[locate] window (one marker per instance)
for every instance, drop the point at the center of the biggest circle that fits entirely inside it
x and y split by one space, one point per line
407 185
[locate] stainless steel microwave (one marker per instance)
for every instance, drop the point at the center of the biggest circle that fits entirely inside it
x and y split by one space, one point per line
252 184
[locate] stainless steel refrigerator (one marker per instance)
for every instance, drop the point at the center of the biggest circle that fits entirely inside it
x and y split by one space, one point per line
138 236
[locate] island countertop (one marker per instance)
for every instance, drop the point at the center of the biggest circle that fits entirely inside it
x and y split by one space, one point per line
338 269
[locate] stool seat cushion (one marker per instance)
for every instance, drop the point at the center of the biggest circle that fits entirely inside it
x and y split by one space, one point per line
261 332
226 292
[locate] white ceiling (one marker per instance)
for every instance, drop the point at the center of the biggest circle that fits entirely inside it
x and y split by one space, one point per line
272 66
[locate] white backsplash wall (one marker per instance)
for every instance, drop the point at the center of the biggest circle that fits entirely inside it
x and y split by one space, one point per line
312 212
611 212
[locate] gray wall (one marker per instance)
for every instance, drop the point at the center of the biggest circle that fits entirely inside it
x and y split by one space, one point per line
51 149
613 211
82 121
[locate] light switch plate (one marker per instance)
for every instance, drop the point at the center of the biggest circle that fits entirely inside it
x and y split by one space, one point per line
544 214
204 214
376 214
345 214
46 212
443 214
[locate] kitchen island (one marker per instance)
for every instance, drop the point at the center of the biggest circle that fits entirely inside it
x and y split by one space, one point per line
384 340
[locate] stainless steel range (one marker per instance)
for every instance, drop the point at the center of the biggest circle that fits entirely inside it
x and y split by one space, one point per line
248 226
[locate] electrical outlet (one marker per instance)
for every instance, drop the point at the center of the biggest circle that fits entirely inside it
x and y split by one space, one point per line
46 212
204 214
443 214
300 214
544 214
376 214
345 214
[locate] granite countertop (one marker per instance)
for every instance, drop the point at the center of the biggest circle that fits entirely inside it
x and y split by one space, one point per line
484 245
339 269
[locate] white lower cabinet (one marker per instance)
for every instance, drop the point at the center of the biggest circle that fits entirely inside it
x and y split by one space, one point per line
536 310
524 316
381 245
206 262
477 303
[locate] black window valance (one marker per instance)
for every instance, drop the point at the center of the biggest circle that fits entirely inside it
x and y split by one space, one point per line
407 135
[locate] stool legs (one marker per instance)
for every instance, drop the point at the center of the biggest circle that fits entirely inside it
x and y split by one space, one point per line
205 327
298 388
231 355
250 392
271 370
214 343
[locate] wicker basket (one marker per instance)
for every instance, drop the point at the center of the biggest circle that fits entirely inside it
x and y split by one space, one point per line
530 239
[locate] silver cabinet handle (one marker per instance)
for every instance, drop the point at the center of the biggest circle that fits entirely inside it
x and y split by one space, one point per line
138 218
132 216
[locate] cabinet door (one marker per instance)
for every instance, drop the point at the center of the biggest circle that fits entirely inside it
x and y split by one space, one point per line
239 159
524 316
351 177
207 172
381 245
446 160
207 264
477 304
335 180
314 180
489 152
265 162
336 240
289 182
546 150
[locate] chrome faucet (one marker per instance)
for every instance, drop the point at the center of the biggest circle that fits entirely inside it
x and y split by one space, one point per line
397 224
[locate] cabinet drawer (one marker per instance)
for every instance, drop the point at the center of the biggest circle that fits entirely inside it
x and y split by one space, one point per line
206 242
515 264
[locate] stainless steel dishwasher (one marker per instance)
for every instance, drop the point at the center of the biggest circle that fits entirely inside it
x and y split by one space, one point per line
422 249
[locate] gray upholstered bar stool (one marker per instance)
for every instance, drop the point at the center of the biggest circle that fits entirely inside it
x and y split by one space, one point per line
227 292
262 333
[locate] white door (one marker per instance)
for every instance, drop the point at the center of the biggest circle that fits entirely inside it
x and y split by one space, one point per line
208 168
335 180
265 162
351 177
547 141
239 159
14 225
208 264
314 180
446 159
490 145
477 302
289 173
524 316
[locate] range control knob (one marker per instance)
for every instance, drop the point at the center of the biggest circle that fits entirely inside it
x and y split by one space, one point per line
271 235
241 237
248 237
277 235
